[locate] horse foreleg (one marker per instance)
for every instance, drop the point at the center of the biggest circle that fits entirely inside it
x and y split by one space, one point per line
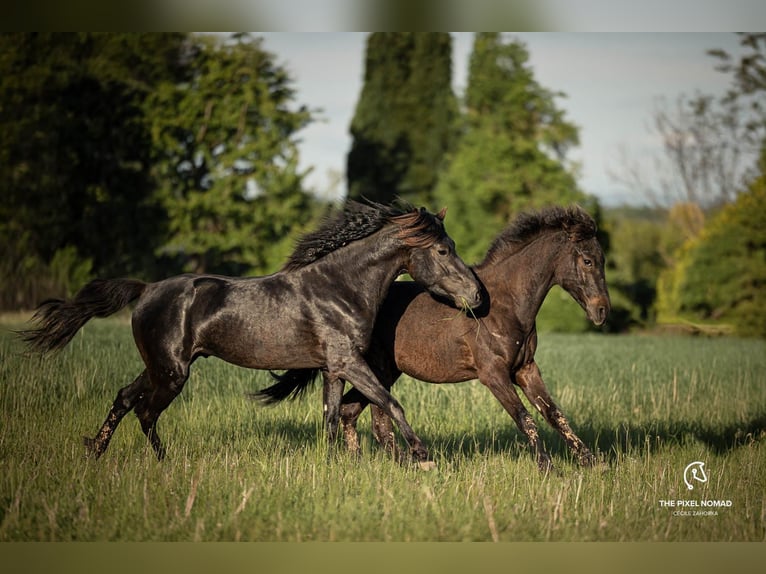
382 425
383 431
354 403
127 397
531 382
360 375
332 394
504 392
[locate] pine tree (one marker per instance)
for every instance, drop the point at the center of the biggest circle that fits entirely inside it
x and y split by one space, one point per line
403 120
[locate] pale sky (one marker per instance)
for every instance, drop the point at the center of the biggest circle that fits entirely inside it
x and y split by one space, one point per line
611 81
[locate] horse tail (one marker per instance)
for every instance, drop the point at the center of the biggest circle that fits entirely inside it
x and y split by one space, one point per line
58 320
291 385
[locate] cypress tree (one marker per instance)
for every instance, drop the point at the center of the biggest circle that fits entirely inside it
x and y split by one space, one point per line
402 123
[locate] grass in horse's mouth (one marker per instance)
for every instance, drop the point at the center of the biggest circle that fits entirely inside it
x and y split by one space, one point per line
466 309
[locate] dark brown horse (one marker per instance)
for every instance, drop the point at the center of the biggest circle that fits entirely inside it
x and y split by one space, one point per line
554 246
317 312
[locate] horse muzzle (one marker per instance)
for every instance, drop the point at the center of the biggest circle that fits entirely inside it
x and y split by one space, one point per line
472 301
598 310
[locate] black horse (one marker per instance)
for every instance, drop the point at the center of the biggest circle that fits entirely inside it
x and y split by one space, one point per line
317 312
555 246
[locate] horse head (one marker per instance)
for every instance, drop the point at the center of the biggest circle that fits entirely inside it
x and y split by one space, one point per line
581 268
433 261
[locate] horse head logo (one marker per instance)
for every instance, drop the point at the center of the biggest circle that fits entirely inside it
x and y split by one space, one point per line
694 471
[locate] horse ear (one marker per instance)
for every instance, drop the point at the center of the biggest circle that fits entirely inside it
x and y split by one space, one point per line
442 213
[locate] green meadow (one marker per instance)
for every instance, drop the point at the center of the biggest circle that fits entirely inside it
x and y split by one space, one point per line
648 405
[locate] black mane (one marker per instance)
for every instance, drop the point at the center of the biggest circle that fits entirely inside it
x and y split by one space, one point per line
573 220
359 220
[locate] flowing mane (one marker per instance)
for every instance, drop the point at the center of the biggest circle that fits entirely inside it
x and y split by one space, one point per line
418 228
573 220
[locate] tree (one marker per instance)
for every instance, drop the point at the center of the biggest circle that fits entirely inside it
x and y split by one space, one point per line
511 152
403 120
748 90
709 147
227 159
703 159
725 269
638 238
75 156
709 144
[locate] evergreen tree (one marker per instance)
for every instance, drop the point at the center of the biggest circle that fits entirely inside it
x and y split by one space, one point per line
511 153
75 157
112 145
403 120
228 160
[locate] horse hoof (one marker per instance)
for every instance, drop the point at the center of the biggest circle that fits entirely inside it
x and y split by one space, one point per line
587 460
427 465
91 448
545 465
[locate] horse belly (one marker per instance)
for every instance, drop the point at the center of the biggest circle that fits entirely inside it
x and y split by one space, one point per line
434 360
254 345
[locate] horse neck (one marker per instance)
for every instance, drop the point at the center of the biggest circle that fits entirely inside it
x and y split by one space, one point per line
522 279
368 266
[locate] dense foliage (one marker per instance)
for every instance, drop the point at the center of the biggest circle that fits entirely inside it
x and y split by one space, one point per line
75 155
142 154
725 268
715 277
227 159
510 156
152 154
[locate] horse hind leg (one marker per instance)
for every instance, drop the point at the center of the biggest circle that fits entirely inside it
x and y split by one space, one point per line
152 404
352 406
127 397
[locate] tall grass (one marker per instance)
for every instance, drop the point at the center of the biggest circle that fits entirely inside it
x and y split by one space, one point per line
238 471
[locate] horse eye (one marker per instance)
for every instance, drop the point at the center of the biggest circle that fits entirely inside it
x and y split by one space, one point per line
588 262
442 251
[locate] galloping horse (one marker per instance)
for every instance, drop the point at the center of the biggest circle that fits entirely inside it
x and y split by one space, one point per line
554 246
317 312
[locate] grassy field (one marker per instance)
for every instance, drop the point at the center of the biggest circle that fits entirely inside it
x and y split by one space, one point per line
649 405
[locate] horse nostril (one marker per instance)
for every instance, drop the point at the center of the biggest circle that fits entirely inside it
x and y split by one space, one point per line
477 297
